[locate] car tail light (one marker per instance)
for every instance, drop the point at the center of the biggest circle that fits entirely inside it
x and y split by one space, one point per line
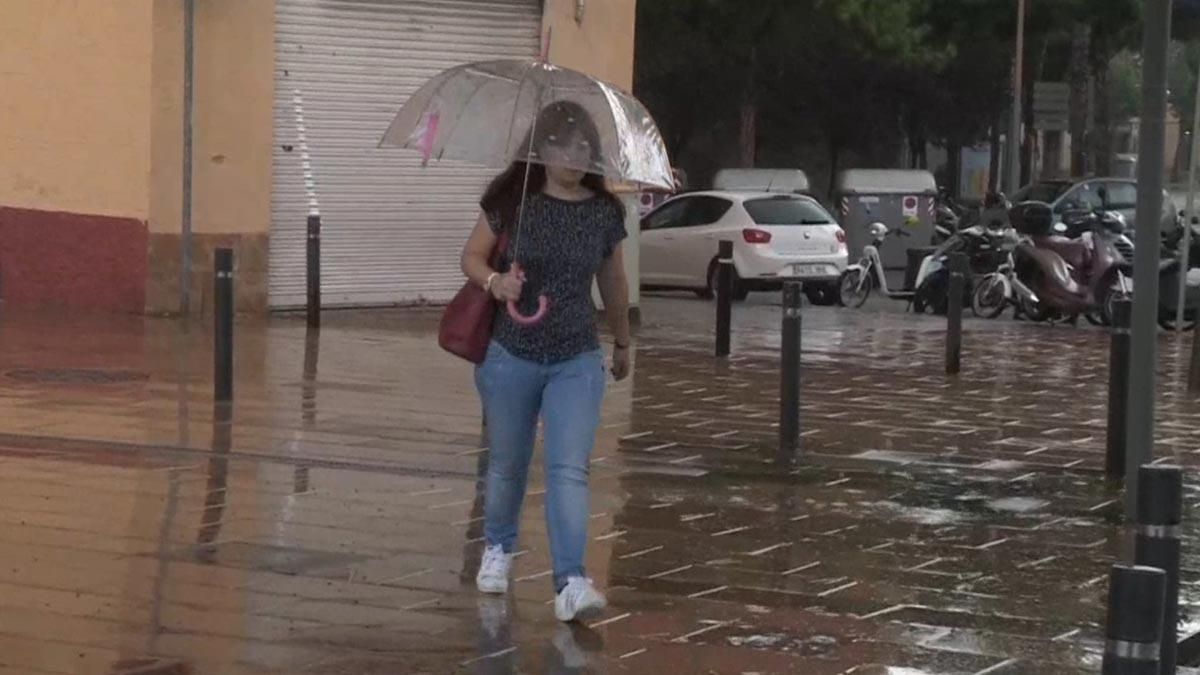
753 236
841 236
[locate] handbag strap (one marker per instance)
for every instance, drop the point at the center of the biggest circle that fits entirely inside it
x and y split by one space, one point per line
501 248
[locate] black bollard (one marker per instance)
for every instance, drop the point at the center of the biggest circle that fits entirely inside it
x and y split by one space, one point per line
1134 626
789 375
954 309
223 325
1159 514
313 260
1194 370
724 295
1118 389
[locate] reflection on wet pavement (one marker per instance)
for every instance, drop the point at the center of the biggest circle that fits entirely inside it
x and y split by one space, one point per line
330 521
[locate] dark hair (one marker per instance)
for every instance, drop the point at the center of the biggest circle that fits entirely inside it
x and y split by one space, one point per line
560 119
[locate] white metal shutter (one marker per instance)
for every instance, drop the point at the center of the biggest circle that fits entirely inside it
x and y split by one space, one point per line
391 230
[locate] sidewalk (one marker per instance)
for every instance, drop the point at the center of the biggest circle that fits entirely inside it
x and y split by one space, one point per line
332 525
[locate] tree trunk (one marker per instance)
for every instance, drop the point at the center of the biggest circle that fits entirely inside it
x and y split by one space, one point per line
835 153
954 168
1078 75
1052 157
747 138
748 129
994 164
1102 134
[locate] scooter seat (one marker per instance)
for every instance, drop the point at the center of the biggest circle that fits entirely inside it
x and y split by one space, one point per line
1074 252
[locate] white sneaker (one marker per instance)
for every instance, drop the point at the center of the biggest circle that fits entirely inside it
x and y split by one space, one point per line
493 571
578 601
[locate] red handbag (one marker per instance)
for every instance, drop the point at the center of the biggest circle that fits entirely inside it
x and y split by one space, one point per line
466 327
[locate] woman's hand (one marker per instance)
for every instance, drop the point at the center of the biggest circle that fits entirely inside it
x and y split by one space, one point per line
506 287
620 363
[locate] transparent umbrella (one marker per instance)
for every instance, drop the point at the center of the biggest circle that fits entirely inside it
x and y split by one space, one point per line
498 112
487 112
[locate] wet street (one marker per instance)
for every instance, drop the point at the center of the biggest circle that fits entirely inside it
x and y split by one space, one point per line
330 522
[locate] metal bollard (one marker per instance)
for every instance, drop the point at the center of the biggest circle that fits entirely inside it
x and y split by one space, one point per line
308 381
1159 513
724 296
1194 370
958 274
789 375
1118 389
223 325
1134 626
313 261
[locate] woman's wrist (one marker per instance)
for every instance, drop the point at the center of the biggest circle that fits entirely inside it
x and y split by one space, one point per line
491 279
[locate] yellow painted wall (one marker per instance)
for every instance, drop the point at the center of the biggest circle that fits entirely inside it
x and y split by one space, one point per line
600 45
75 106
234 90
232 124
166 117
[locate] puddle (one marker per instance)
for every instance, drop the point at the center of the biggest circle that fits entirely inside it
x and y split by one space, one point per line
893 456
1018 504
921 515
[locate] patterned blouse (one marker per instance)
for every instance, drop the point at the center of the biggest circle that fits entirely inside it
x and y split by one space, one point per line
561 246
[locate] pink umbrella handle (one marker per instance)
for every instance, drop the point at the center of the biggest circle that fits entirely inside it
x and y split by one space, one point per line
521 319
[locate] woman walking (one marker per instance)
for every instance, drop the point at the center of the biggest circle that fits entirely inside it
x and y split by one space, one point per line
565 229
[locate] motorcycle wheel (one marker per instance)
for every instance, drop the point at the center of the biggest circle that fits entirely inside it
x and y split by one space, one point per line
1167 320
988 301
1036 311
854 288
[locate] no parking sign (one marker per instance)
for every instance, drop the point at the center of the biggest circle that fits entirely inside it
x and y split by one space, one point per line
911 206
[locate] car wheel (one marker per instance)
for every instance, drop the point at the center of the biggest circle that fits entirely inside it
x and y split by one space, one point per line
822 295
740 292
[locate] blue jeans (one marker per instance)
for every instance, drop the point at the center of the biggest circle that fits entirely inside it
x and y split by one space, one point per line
567 395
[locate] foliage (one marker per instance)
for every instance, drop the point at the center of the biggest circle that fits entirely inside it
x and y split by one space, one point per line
835 81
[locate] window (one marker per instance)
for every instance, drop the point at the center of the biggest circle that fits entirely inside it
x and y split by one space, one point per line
669 215
787 211
706 211
1122 195
1040 192
1086 196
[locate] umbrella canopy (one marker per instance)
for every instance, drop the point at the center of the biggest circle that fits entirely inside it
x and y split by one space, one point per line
498 112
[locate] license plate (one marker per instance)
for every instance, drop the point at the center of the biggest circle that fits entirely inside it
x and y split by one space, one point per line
808 270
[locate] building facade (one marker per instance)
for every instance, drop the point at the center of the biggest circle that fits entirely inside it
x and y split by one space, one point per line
92 143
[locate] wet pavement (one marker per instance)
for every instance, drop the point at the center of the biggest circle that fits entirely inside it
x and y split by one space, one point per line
330 521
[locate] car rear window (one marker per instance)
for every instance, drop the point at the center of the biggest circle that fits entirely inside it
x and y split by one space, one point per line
1041 192
786 211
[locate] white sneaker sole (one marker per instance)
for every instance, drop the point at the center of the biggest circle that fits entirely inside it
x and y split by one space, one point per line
584 613
491 587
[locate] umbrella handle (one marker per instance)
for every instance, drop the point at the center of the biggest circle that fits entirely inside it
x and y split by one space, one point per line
521 319
516 315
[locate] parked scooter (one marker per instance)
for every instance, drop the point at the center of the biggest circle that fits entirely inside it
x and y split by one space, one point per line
856 282
1069 276
1168 279
982 246
1000 289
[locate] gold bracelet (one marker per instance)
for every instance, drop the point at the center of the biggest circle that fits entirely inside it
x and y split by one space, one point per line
487 285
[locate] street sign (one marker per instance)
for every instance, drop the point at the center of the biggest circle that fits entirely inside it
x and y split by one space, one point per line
911 204
1051 106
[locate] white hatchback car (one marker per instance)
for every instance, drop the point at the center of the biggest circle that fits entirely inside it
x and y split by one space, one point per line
776 237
